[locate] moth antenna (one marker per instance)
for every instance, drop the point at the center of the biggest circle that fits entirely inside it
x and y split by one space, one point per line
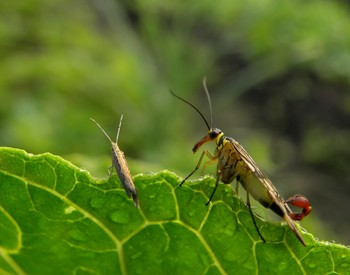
206 123
102 130
120 124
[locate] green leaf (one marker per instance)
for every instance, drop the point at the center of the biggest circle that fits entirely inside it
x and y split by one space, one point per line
57 219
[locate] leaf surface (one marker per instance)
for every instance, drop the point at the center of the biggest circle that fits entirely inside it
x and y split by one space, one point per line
55 218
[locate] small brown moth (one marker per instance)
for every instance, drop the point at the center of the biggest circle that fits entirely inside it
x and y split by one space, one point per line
121 166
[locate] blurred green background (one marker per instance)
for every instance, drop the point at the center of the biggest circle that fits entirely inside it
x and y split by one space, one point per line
278 73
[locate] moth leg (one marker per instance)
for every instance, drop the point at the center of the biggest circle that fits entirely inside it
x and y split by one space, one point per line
110 170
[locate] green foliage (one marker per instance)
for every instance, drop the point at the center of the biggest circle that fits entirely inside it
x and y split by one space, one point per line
56 218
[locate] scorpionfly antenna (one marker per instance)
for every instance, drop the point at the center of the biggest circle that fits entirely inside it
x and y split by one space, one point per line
209 101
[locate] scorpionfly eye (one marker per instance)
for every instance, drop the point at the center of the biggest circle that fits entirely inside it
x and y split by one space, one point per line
213 133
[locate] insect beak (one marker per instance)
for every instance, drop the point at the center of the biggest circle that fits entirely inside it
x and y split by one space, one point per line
206 139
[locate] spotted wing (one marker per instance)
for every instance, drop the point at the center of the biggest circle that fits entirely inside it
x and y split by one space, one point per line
271 189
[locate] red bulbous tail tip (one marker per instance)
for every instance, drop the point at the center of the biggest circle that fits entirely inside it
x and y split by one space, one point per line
301 202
